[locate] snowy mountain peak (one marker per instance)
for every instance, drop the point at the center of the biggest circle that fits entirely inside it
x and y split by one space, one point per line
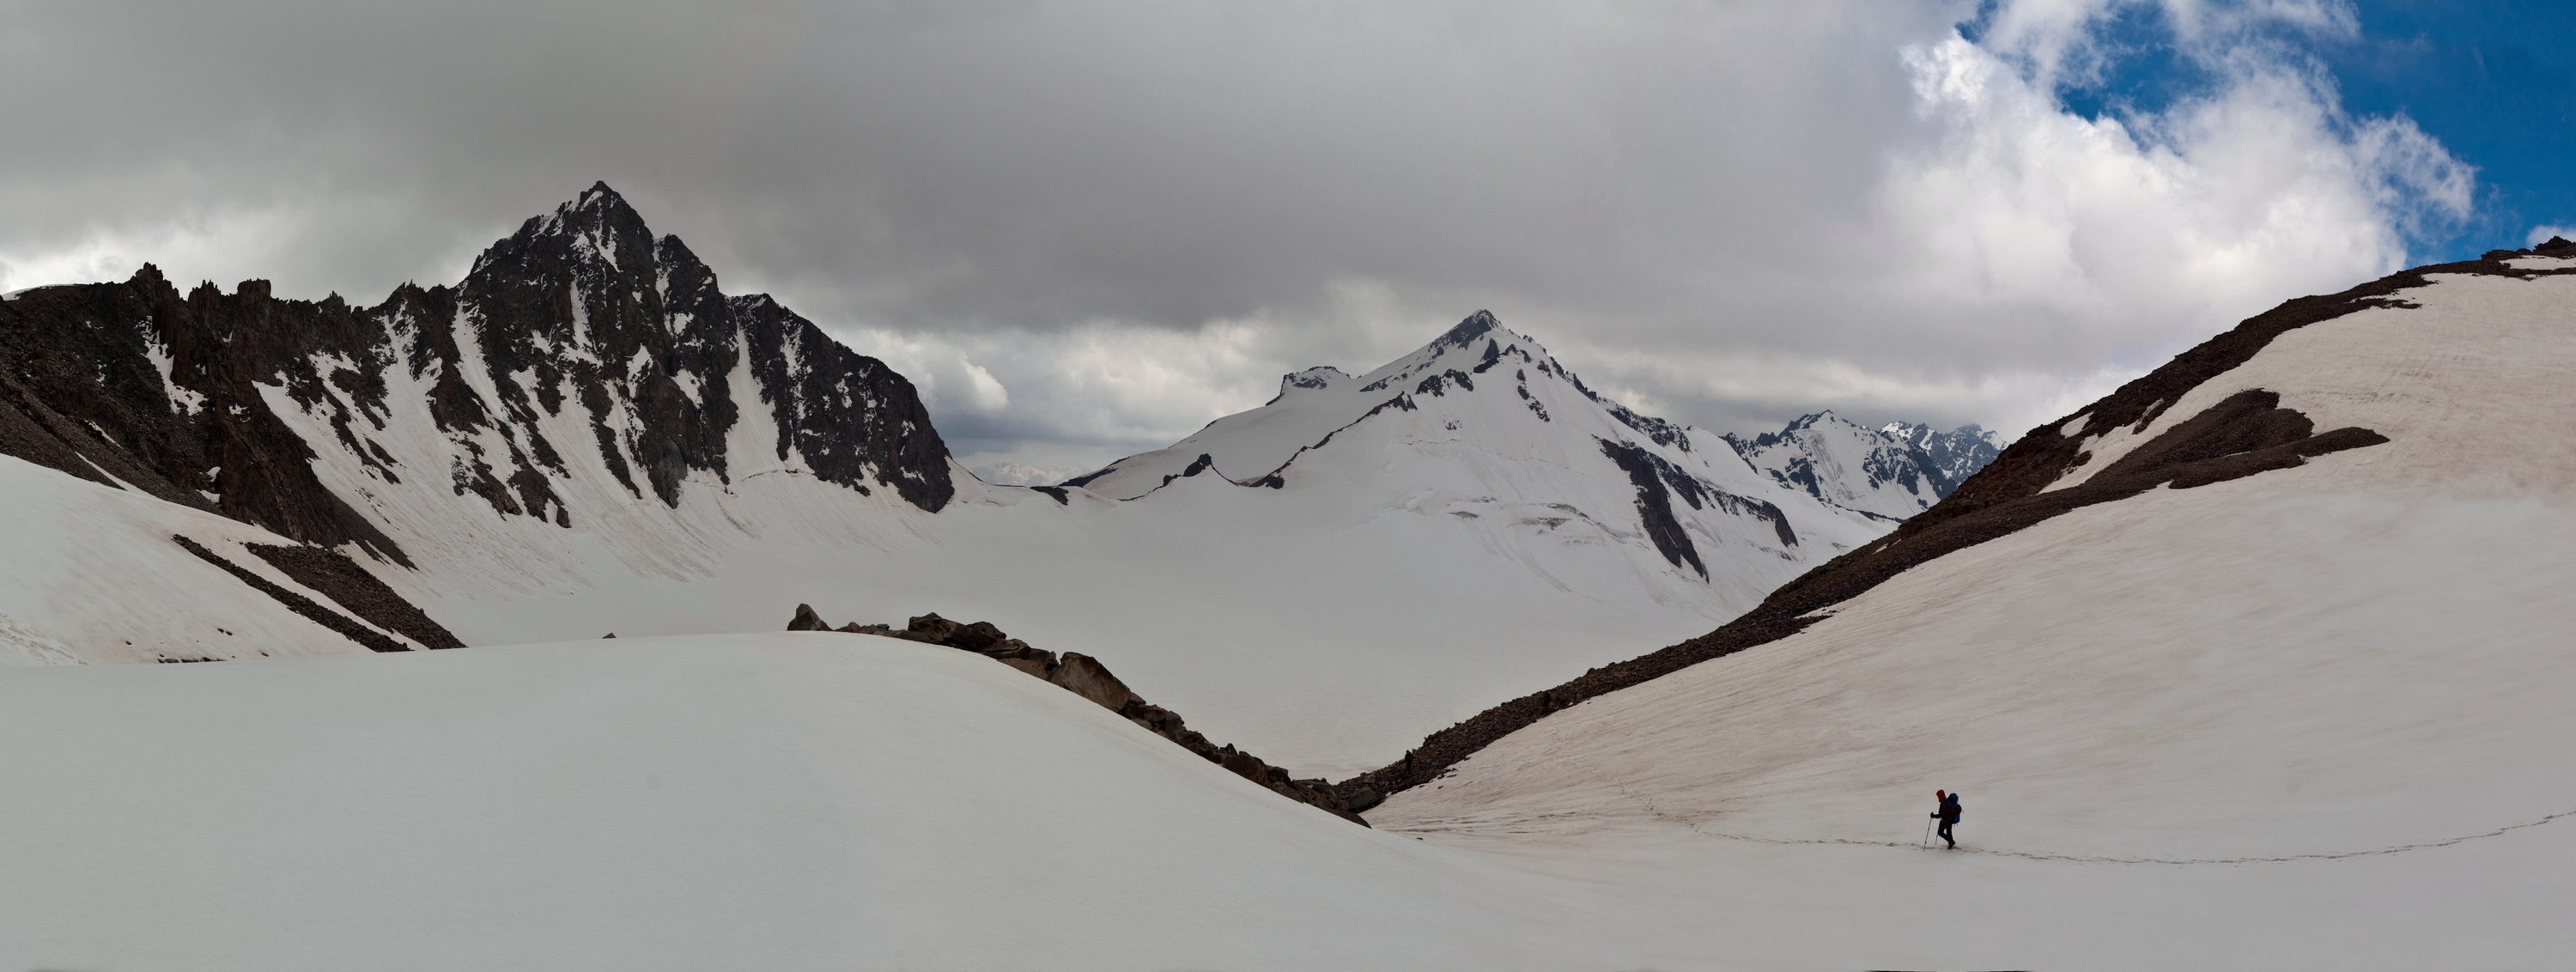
597 226
1482 430
1316 403
1476 345
1475 326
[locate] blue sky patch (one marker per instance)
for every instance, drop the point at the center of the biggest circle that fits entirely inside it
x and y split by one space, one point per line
2494 82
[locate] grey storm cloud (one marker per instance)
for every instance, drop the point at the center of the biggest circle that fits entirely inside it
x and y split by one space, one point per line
1088 228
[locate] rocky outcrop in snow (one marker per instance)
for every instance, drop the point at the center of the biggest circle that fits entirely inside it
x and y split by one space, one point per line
1086 676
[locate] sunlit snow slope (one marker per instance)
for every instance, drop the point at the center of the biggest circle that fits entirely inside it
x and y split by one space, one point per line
2352 669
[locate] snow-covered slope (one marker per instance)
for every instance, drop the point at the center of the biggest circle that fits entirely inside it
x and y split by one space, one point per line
94 575
1883 472
2296 603
776 801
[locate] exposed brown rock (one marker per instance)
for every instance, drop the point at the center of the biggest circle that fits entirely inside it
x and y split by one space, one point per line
1013 649
976 636
1362 797
1085 676
1244 765
1153 716
807 620
938 629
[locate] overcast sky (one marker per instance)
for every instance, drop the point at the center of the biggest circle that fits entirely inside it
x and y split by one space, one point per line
1086 229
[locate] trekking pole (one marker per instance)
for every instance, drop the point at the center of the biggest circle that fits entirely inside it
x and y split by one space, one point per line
1927 833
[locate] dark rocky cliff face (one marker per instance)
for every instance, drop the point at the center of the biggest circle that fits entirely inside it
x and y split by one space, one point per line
813 387
87 394
580 320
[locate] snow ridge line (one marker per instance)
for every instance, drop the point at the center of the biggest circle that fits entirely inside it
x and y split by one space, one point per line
1276 477
1659 814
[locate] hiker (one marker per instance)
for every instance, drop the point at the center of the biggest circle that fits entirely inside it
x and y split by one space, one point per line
1948 814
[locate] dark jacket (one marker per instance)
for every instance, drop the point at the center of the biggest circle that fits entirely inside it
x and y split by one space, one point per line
1949 809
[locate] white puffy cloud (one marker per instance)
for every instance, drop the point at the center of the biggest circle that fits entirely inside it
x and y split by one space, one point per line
2007 261
2058 245
1088 227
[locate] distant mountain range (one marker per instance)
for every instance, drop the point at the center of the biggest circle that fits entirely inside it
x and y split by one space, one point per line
587 434
1892 472
1483 425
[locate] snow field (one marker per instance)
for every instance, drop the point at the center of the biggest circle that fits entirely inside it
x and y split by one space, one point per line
828 801
791 801
2126 702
